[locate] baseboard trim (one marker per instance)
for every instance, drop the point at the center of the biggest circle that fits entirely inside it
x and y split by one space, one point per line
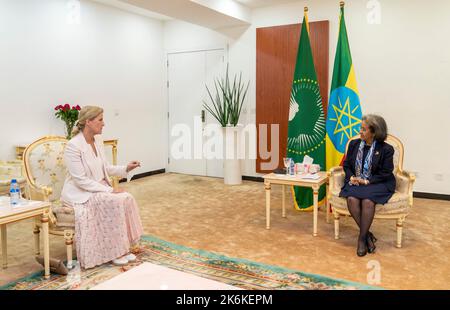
143 175
431 196
254 179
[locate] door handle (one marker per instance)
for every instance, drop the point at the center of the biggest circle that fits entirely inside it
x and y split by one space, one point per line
203 116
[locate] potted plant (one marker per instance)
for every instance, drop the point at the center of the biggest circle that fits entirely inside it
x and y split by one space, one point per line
226 107
69 115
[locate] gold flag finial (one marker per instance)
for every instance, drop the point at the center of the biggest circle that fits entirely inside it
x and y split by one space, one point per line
306 9
342 3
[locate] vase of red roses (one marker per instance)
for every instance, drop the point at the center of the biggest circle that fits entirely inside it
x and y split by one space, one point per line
68 114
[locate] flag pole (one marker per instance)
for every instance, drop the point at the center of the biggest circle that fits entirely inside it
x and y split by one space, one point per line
342 5
306 18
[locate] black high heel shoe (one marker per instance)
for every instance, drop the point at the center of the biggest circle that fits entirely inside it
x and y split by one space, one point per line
372 237
371 248
361 251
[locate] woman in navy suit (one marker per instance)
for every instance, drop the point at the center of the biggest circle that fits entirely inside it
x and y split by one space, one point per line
369 178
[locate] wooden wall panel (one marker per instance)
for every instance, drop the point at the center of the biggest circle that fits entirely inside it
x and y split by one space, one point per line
276 53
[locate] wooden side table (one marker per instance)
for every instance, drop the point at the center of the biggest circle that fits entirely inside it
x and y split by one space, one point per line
284 180
28 209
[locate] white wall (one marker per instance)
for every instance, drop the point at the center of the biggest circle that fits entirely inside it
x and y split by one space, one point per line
402 67
113 59
116 59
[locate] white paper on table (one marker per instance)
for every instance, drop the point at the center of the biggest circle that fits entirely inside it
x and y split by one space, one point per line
308 160
5 202
310 176
4 199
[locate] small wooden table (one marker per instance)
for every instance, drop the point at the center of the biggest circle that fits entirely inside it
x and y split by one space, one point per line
27 209
296 180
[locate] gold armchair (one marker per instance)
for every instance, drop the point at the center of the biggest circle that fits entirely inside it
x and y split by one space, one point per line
45 172
397 207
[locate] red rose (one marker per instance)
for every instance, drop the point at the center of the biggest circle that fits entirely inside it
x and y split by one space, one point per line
56 108
78 107
66 107
73 108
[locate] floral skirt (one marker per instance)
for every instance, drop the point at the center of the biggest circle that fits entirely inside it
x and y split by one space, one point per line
105 228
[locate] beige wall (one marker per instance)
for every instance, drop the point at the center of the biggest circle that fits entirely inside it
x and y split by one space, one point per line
402 68
116 59
112 58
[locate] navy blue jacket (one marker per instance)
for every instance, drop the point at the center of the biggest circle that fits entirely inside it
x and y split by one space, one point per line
382 164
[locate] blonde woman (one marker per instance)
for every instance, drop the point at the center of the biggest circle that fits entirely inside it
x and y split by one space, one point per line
107 222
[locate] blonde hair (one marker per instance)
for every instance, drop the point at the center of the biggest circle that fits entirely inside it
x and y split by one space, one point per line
86 113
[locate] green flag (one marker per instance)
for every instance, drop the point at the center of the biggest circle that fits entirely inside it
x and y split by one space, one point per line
306 131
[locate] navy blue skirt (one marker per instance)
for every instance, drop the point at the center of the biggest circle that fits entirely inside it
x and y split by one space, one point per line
378 192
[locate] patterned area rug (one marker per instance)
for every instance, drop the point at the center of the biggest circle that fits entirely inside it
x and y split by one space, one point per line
236 272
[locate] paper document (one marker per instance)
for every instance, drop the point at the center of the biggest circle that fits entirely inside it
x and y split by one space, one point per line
310 176
307 160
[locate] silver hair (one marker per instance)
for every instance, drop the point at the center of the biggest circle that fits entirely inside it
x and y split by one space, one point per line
377 126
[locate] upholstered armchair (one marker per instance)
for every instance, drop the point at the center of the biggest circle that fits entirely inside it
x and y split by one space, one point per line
398 206
11 170
45 172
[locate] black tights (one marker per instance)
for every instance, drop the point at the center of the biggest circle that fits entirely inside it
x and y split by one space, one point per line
362 211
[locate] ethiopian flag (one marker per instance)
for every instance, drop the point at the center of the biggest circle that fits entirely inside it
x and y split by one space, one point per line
344 109
306 131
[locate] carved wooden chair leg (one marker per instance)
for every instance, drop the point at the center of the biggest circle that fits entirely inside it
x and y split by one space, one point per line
399 232
336 225
37 243
68 235
328 209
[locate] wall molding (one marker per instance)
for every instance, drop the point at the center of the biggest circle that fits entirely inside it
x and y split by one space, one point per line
423 195
433 196
254 179
143 175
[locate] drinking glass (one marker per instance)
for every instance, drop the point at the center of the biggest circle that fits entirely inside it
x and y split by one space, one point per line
287 163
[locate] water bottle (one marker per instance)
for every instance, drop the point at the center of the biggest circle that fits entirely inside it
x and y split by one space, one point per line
292 167
14 193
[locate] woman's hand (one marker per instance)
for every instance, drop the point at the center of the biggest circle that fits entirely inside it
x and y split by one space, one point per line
362 181
133 165
354 181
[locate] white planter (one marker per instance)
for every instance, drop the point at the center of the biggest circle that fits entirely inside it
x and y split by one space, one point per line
231 163
232 172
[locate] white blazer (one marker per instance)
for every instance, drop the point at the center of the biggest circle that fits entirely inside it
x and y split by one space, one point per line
80 184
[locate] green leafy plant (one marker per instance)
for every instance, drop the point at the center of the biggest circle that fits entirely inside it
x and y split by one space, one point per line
226 104
69 115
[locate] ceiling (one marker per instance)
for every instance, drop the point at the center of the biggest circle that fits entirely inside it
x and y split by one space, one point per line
211 14
215 14
134 9
253 4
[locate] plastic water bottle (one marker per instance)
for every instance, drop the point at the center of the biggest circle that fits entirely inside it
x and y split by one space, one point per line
292 167
14 193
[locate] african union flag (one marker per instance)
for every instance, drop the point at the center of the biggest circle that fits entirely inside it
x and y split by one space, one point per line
306 130
344 109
